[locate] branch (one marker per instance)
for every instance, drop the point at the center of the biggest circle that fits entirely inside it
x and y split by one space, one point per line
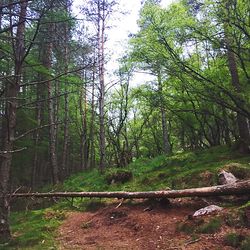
34 129
2 153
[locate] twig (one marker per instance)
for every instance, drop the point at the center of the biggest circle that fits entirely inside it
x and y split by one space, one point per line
191 242
120 203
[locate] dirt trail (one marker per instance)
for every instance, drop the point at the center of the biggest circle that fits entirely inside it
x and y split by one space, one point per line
139 226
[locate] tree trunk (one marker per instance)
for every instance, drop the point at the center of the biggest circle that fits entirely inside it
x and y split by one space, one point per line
52 129
101 30
166 144
9 125
83 142
238 188
91 159
242 121
36 136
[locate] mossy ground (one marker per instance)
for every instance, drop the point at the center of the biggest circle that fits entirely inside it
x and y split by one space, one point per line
33 229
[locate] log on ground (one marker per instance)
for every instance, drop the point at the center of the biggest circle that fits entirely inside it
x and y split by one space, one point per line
239 188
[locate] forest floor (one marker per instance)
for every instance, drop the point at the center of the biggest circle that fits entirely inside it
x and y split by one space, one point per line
149 226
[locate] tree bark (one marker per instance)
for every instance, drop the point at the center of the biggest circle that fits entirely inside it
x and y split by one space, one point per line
52 129
37 136
242 121
239 188
166 144
9 126
91 159
101 30
83 138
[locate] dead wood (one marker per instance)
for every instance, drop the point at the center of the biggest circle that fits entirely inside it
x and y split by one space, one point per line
239 188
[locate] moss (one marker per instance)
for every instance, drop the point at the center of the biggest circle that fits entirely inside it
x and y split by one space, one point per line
34 229
190 226
185 227
245 245
233 239
239 170
211 227
235 218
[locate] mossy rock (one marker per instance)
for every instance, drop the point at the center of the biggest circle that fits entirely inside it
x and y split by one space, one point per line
120 176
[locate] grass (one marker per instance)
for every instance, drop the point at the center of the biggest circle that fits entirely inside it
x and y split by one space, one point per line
37 229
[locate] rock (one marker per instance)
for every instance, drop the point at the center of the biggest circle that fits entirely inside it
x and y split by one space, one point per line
207 210
226 178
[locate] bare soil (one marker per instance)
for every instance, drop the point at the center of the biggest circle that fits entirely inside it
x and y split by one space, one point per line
139 225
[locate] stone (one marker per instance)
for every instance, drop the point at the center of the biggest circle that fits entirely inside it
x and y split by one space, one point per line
226 178
207 210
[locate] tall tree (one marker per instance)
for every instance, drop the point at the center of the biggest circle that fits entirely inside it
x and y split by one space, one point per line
10 116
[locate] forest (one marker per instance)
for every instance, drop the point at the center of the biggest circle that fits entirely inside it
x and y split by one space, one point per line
63 118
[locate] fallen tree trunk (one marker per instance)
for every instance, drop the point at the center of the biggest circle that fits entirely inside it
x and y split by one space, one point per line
238 188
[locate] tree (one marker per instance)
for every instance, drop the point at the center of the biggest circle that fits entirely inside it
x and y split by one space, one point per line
180 39
9 123
98 12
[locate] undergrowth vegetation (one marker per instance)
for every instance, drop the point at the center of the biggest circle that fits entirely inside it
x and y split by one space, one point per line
36 229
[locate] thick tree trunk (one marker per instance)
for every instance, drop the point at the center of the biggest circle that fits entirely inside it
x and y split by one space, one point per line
239 188
9 125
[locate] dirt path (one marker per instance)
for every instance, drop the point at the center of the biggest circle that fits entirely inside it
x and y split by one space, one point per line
138 226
